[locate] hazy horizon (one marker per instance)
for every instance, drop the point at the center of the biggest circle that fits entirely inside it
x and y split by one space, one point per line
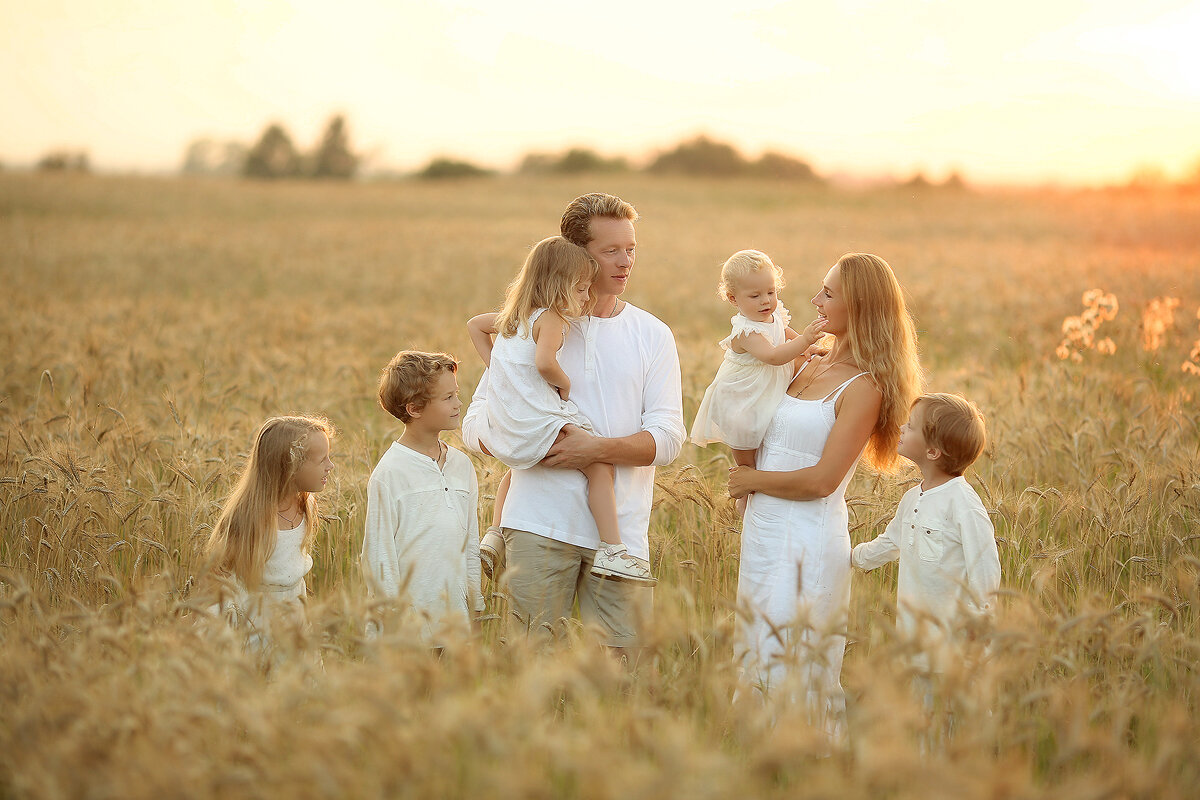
1070 92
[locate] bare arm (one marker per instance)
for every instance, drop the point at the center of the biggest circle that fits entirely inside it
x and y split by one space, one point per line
481 329
757 345
856 419
548 337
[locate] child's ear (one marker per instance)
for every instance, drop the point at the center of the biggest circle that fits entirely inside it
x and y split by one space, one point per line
933 454
414 410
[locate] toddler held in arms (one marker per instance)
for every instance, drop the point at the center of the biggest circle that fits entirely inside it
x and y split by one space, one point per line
759 355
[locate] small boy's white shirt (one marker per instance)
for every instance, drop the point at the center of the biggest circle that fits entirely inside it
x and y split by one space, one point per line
947 550
422 535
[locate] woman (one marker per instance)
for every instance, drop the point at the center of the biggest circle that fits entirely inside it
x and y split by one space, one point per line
794 579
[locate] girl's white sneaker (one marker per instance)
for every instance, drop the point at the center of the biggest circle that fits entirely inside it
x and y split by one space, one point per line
614 561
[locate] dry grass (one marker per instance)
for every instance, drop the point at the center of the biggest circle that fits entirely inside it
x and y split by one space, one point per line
152 324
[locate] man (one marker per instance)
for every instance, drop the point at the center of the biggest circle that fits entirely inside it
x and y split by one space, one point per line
624 373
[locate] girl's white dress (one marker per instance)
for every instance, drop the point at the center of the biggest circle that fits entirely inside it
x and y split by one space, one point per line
794 574
738 405
280 595
524 413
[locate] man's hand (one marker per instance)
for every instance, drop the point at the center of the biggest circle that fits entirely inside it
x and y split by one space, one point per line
574 448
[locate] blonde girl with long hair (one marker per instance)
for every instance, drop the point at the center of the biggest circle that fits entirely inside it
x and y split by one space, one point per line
794 574
529 392
260 547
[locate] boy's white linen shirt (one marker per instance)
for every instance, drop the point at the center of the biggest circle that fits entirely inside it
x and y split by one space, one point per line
422 533
625 378
947 550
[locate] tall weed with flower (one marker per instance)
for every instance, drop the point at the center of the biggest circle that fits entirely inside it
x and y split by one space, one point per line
1079 332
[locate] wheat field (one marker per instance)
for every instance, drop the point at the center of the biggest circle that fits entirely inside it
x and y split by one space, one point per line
150 325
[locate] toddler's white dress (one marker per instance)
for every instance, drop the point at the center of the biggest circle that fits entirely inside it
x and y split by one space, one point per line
739 404
524 412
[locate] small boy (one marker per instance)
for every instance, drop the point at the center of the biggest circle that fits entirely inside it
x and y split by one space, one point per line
941 532
422 532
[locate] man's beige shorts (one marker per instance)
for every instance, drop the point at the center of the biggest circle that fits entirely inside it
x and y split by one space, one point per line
545 577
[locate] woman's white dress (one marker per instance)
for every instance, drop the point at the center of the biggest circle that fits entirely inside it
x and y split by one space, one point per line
794 576
524 412
739 404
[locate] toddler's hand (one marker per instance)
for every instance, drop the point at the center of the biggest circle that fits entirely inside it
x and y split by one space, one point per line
813 331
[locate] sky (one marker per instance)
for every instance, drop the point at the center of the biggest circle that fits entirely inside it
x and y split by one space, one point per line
1026 91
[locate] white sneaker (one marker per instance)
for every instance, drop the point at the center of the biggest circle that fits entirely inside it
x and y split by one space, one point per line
614 561
491 553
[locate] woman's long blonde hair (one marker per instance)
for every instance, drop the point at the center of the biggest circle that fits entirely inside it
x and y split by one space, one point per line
246 531
883 342
547 280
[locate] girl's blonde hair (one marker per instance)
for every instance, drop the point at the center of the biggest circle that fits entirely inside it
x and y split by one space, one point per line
741 264
883 342
245 533
547 280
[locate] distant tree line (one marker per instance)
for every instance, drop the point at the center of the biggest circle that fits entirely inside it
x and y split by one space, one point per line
275 156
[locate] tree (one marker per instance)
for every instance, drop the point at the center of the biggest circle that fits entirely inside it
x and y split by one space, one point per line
64 161
273 156
210 157
333 158
782 167
701 156
441 168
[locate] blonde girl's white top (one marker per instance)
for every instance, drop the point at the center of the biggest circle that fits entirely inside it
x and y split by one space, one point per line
281 592
421 544
739 404
524 412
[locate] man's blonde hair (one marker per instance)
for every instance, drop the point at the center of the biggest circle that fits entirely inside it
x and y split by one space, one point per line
408 380
741 264
576 219
954 425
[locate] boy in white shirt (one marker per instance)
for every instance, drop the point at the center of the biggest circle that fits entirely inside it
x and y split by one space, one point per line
422 532
949 565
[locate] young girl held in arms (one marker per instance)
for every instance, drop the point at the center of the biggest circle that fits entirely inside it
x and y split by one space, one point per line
759 356
529 393
260 545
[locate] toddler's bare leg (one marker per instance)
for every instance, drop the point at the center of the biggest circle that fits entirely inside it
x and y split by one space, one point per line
602 501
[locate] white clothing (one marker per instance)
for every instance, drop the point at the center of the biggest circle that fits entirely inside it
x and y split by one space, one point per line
949 564
280 593
794 576
525 413
739 404
422 536
624 374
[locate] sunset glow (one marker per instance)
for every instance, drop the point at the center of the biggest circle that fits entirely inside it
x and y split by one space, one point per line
1080 92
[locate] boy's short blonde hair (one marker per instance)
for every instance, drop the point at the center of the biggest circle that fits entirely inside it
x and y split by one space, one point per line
953 425
408 380
741 264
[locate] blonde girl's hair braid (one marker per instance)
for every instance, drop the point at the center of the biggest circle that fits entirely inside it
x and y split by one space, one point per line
547 280
245 533
883 342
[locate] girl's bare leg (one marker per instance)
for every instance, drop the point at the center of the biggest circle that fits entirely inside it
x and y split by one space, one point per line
602 501
501 495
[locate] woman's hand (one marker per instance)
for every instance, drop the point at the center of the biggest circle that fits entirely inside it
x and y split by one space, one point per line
741 481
